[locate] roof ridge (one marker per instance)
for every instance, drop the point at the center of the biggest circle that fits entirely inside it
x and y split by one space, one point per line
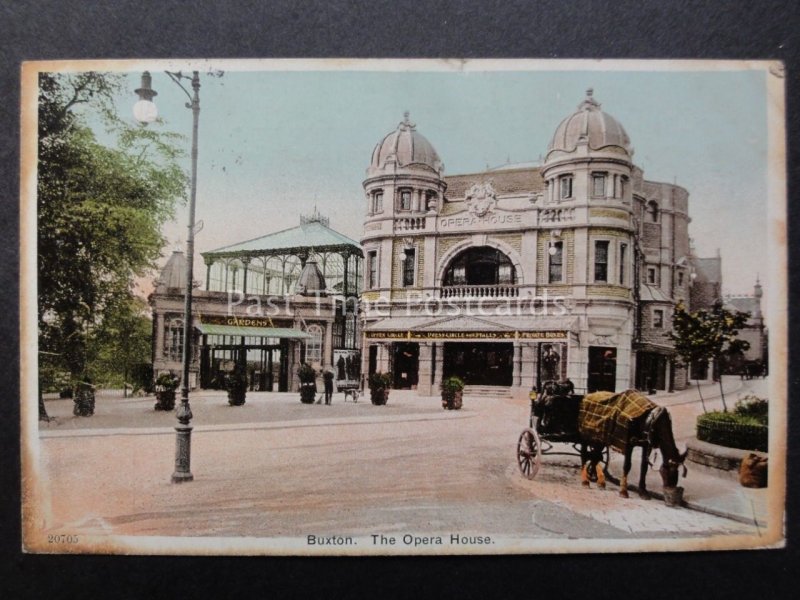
221 248
339 238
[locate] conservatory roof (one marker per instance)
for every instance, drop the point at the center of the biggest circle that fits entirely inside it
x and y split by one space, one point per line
312 235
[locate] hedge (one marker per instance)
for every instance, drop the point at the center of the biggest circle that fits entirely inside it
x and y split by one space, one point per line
732 431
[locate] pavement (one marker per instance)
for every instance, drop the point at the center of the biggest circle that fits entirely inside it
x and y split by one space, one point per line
706 489
708 492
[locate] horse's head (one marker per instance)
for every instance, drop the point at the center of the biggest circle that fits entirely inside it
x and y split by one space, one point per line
659 433
670 469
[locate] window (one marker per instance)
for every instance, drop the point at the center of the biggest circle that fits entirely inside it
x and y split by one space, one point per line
556 262
505 273
173 348
314 345
601 260
658 318
623 186
623 251
377 202
480 265
566 186
409 262
598 185
680 278
459 275
372 270
651 275
405 199
652 210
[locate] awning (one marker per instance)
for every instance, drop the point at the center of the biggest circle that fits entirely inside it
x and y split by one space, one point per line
270 332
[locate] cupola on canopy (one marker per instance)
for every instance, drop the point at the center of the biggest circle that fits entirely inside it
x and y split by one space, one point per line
311 281
590 124
405 147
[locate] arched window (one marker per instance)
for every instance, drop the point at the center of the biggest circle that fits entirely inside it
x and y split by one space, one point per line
481 265
314 345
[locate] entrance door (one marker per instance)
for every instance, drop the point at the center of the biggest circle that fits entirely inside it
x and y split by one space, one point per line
480 363
602 369
651 371
405 365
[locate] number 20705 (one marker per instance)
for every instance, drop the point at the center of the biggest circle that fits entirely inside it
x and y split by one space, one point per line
62 538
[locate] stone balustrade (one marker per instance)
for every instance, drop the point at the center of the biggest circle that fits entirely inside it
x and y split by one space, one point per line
480 291
556 215
409 223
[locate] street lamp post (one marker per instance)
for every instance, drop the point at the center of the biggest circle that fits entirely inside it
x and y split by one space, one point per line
145 112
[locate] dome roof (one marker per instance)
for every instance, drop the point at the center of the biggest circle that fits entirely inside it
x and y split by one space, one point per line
406 147
173 275
589 123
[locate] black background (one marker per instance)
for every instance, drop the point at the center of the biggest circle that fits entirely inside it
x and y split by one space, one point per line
426 29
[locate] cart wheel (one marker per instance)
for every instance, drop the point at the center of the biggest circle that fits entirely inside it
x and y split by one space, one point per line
529 453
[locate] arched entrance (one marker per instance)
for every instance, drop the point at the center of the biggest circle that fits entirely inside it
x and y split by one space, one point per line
480 265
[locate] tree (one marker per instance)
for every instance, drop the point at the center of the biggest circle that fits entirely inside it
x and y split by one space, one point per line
100 213
123 341
705 335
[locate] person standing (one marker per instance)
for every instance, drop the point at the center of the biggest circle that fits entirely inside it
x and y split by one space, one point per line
328 379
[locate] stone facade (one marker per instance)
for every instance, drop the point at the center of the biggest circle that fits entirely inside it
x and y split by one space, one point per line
568 268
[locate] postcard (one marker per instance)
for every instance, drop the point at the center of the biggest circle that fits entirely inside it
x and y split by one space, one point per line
389 307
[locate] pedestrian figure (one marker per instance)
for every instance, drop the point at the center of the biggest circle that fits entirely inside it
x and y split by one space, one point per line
328 378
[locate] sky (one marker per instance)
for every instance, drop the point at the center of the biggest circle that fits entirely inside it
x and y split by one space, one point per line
274 144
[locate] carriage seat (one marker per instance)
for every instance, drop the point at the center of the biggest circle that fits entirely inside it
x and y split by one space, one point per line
557 408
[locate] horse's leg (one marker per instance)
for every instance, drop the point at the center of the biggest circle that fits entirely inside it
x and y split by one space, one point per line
643 493
623 484
598 468
584 466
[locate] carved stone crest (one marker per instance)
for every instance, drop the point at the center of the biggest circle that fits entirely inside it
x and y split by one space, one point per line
481 198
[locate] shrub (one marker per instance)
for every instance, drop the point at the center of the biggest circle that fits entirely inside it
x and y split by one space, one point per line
753 407
380 381
733 431
236 385
452 384
306 373
167 382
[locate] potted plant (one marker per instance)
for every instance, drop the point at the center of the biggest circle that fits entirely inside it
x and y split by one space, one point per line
379 385
83 399
166 384
236 384
308 383
452 390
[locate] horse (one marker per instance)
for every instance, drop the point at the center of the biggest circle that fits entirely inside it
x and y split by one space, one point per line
648 431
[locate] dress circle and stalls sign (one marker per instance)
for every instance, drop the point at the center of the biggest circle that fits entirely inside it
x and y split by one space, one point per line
466 335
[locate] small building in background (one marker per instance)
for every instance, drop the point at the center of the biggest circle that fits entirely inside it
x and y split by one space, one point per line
755 361
270 303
